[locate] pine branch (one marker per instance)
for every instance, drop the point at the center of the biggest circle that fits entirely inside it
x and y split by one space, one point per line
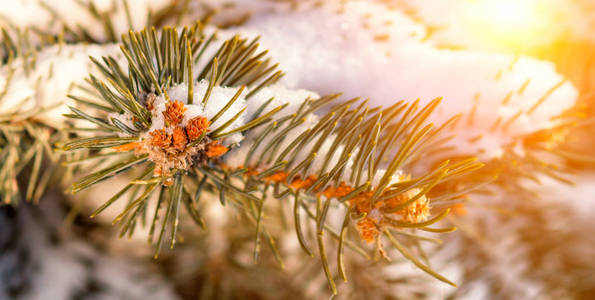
352 157
25 153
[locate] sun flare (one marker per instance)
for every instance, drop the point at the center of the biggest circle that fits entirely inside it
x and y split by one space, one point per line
507 14
512 22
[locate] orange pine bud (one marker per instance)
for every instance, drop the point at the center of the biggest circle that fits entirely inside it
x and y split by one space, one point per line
338 192
174 112
196 127
250 171
179 138
367 230
459 209
361 202
214 149
276 177
298 183
126 147
160 138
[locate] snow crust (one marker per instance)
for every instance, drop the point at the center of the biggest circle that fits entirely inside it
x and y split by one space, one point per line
366 50
218 98
48 15
48 83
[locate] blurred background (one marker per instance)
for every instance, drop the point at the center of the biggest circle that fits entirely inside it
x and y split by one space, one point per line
526 235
